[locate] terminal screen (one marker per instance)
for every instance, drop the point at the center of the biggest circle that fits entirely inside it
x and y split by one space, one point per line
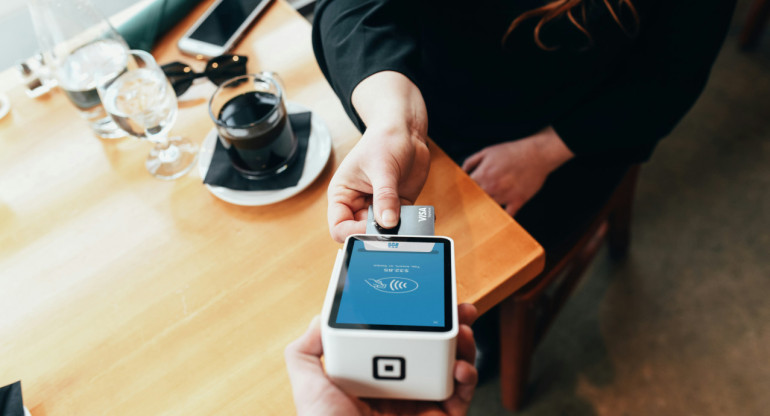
397 284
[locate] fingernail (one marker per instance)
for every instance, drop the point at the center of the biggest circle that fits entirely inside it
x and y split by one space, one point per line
389 218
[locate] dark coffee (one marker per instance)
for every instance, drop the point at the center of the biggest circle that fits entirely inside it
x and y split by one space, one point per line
258 132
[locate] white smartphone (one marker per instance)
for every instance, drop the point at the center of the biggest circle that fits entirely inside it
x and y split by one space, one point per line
221 27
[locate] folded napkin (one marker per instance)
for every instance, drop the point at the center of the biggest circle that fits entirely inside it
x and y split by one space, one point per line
10 400
222 173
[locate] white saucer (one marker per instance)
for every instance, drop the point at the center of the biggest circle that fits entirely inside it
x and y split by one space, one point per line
319 148
5 105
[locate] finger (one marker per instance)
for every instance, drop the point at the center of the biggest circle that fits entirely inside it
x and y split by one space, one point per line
361 215
336 214
467 376
303 363
513 208
387 204
303 357
467 313
308 343
344 208
466 346
342 230
483 181
472 161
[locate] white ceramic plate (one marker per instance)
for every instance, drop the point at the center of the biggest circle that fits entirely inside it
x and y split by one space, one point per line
319 148
5 105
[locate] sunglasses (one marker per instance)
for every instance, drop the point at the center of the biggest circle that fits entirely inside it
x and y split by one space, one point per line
218 70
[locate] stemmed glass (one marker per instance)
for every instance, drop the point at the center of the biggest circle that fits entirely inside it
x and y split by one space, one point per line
143 103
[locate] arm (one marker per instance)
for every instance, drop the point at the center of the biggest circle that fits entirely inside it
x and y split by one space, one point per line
627 115
367 50
354 39
389 165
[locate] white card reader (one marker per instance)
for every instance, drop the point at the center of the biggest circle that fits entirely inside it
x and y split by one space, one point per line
389 321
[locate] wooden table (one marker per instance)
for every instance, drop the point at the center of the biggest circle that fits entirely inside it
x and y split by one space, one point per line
121 294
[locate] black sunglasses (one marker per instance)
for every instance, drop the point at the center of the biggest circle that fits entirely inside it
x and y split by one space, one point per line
218 70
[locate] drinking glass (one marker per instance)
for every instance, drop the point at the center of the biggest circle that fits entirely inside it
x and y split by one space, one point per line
253 125
82 50
142 102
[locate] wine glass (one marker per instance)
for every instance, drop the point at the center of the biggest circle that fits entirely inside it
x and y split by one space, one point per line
143 103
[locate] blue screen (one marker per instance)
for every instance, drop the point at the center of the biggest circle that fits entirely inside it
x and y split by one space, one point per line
394 284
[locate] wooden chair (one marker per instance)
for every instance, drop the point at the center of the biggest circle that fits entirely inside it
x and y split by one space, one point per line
526 315
755 22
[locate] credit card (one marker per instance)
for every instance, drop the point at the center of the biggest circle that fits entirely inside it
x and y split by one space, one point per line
414 220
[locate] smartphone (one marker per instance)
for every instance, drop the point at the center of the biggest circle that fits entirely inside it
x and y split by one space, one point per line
221 27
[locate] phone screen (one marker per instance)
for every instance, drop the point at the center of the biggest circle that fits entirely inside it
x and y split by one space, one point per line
224 21
396 284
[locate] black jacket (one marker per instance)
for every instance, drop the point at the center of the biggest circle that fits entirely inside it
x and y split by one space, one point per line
616 96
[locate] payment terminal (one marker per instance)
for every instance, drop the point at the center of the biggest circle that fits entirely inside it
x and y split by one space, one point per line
389 322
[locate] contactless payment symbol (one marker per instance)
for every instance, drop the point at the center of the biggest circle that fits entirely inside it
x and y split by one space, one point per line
393 284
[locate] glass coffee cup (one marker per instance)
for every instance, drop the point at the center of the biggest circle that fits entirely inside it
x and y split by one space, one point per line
253 125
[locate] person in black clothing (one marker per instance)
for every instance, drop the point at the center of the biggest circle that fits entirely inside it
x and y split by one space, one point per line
544 104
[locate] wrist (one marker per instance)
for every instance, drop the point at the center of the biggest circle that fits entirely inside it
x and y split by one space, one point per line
552 148
396 130
390 103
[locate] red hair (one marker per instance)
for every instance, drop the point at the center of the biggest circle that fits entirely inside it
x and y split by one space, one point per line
559 8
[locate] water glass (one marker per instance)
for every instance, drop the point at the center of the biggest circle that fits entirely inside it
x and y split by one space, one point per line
83 50
142 103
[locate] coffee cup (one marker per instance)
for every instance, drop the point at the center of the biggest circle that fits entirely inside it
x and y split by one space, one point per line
253 125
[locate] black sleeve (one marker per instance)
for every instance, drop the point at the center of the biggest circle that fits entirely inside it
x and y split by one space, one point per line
666 72
353 39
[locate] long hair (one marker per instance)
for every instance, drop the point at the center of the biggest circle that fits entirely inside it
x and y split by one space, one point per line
571 8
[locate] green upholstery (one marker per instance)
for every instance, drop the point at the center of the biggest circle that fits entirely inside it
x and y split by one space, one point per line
152 22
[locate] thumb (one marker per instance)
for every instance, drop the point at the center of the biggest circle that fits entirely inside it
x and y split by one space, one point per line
303 355
387 204
310 342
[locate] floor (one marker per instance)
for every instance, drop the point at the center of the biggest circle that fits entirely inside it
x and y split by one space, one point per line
682 327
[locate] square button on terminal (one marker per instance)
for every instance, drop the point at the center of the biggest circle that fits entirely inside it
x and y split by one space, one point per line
389 368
